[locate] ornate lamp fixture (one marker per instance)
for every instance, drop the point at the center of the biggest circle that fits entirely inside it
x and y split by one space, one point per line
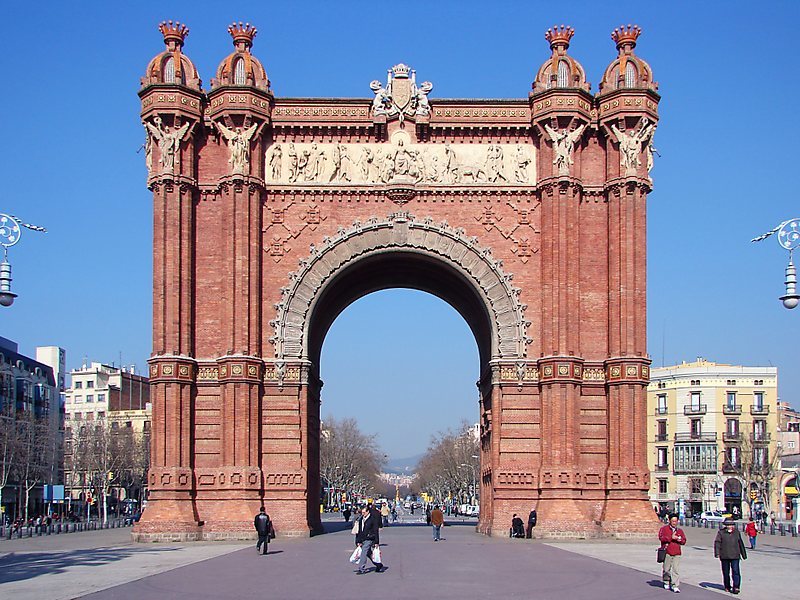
10 234
789 238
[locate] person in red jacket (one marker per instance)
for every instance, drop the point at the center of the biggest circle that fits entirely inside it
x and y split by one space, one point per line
752 531
672 538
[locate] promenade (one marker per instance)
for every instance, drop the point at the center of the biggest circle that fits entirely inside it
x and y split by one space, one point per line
107 565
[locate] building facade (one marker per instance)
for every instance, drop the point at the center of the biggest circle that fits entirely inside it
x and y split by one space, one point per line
789 424
116 397
712 437
273 214
28 390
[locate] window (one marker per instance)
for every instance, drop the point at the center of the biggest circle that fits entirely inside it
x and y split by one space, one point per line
78 399
662 404
128 424
169 70
90 384
89 398
760 457
101 397
732 456
662 458
630 75
563 74
696 427
78 385
733 427
695 399
758 400
759 430
239 76
662 486
146 426
696 485
731 382
758 382
114 425
78 416
695 382
89 416
731 399
698 458
790 444
101 415
662 431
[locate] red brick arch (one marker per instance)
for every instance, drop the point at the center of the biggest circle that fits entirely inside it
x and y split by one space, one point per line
271 215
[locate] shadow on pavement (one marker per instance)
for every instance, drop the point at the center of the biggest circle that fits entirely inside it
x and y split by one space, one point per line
711 586
19 566
656 583
336 526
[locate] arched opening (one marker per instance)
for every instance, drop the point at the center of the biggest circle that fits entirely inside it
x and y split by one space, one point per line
563 74
733 495
401 366
404 270
631 76
239 75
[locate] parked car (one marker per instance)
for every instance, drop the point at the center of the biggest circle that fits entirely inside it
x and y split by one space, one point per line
713 516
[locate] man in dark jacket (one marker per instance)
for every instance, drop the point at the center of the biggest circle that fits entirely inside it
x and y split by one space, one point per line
531 524
368 538
729 548
264 528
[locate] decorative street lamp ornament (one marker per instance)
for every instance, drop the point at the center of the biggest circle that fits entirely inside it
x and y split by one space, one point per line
10 234
789 238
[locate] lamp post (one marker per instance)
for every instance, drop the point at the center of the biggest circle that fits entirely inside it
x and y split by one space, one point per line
10 234
789 238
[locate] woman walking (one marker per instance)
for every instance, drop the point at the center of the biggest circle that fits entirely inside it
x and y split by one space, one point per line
752 531
729 548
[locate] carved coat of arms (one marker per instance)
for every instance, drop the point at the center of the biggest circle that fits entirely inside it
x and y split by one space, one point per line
401 96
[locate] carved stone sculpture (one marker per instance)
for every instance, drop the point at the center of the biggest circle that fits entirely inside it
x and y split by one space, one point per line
630 145
563 146
169 142
238 140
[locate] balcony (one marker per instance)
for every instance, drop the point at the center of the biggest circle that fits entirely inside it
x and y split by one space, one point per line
729 467
735 409
760 438
696 409
661 410
662 468
732 437
759 410
696 496
661 437
662 496
695 437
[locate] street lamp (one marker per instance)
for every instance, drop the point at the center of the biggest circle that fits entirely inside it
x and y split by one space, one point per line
10 234
789 238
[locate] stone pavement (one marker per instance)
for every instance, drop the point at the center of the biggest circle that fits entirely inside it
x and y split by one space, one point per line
464 565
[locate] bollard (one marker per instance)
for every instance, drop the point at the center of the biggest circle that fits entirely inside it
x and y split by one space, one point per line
794 531
780 528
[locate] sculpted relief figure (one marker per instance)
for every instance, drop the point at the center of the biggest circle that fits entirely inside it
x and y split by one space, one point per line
522 160
340 159
275 162
315 163
563 146
238 140
494 164
169 142
630 145
382 103
421 104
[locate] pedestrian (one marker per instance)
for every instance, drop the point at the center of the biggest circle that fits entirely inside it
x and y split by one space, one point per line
385 515
437 520
671 538
752 531
394 514
729 548
517 528
346 514
428 514
368 537
772 519
264 528
531 524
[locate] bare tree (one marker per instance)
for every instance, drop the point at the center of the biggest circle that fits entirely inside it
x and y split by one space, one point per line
349 459
33 451
9 446
450 466
756 470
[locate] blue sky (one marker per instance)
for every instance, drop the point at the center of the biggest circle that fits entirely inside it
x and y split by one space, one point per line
728 140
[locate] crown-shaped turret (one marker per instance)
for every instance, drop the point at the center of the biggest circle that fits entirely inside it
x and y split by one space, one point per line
401 71
242 34
172 66
560 70
625 37
241 67
559 37
628 70
174 34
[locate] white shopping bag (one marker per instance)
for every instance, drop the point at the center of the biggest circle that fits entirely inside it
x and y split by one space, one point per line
376 554
355 555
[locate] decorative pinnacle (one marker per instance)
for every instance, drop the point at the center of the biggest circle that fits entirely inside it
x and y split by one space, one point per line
174 33
623 35
242 33
559 36
401 71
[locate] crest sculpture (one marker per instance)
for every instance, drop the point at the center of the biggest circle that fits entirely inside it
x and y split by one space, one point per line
274 214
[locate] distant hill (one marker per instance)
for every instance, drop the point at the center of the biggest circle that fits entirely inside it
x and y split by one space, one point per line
403 466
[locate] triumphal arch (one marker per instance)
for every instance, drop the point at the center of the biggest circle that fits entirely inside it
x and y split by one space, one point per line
272 215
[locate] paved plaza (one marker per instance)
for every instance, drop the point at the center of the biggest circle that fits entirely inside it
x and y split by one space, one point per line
107 565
